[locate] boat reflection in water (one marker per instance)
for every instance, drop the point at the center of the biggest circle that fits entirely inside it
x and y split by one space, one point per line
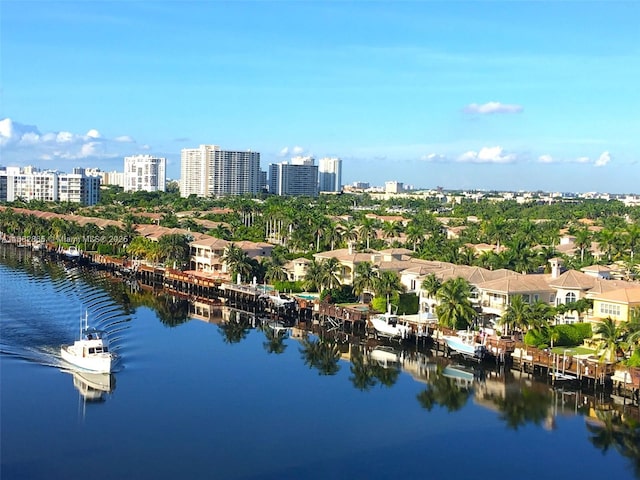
93 387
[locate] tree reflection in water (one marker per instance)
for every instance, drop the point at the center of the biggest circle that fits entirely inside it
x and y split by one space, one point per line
611 429
236 328
274 339
366 372
524 405
321 354
445 392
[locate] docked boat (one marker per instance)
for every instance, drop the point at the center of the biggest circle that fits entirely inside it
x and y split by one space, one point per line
390 325
278 300
71 252
91 352
464 343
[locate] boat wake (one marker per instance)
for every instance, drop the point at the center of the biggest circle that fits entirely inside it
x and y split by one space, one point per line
40 307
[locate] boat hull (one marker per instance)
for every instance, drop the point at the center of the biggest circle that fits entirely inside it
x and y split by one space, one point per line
98 363
461 347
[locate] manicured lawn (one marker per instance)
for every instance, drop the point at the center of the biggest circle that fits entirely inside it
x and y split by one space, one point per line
574 350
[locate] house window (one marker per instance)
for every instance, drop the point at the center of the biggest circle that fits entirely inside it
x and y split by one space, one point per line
608 309
570 297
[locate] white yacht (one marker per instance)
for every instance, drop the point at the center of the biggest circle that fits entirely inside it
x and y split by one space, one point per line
390 325
90 352
465 344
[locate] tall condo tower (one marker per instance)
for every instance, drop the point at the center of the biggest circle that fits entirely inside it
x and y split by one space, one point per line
210 171
330 174
300 177
144 172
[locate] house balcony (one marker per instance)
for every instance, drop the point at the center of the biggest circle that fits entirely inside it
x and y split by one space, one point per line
493 308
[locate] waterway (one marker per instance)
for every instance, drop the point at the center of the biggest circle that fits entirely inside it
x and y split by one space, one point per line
204 393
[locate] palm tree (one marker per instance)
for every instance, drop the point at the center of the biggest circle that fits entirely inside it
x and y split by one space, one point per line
612 337
454 308
583 241
415 234
366 230
392 229
388 284
365 278
431 284
313 277
174 248
517 314
237 261
632 238
330 273
274 270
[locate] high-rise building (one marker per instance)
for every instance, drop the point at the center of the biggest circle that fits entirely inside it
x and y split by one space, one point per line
210 171
330 174
144 173
49 186
300 178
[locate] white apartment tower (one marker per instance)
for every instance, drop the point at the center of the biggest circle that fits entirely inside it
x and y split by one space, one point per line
144 173
300 177
330 174
210 171
49 186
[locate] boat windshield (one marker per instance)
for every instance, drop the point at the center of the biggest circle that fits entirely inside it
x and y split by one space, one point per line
98 350
93 335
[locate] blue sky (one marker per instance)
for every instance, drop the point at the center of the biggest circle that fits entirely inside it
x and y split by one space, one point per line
482 94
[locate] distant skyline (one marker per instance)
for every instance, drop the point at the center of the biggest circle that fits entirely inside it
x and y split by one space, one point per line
511 95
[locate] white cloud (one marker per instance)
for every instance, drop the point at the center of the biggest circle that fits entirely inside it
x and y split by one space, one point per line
93 133
603 159
487 155
545 159
65 137
492 107
434 157
21 144
291 151
583 160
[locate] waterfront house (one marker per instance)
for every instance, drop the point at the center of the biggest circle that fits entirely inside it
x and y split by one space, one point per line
616 304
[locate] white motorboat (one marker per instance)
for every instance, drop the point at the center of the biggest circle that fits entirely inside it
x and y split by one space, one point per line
71 252
465 344
390 325
90 352
278 300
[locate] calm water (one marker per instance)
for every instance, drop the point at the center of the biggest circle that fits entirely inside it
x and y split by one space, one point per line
193 400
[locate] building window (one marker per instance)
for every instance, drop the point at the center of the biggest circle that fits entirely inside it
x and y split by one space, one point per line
570 297
609 309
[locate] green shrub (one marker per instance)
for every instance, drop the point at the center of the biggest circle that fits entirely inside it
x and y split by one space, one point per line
571 335
292 287
408 304
379 304
536 337
342 294
105 249
584 329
